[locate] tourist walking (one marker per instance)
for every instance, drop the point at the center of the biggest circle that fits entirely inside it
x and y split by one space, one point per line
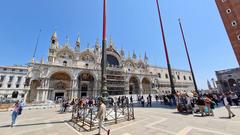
201 105
131 99
101 117
142 101
15 111
227 101
149 100
208 103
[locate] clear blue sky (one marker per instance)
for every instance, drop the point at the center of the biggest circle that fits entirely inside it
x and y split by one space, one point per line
133 24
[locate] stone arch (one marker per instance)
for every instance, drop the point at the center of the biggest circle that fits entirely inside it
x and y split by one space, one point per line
60 83
129 63
65 53
112 60
86 84
232 84
141 64
113 57
61 71
87 56
134 85
15 94
146 85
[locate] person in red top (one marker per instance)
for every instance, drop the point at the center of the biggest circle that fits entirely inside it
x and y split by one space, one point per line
208 105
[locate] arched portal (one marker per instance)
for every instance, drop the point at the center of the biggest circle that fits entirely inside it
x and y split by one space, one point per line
60 83
146 85
85 84
15 94
112 60
134 85
232 84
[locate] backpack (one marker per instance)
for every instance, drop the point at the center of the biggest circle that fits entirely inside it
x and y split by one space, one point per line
212 105
20 110
229 101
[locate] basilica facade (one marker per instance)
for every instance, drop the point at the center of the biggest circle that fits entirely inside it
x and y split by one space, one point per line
71 72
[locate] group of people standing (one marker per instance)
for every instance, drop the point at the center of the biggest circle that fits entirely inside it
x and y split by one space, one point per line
206 103
142 101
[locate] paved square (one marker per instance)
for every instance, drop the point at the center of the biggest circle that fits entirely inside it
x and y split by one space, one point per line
149 121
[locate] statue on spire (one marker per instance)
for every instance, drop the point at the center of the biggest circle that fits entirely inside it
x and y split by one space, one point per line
67 41
129 57
122 52
140 56
134 56
111 44
77 47
110 41
97 46
145 57
54 42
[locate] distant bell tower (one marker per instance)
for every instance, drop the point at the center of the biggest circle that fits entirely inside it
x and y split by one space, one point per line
230 13
53 48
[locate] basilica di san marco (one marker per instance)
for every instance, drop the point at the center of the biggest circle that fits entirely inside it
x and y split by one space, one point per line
71 72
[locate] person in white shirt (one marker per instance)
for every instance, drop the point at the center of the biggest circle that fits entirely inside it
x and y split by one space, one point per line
101 117
227 101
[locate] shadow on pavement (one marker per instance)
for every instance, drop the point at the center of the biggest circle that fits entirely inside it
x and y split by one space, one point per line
182 113
223 117
155 105
34 124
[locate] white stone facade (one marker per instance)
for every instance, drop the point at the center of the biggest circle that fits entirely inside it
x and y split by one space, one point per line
75 73
12 78
228 80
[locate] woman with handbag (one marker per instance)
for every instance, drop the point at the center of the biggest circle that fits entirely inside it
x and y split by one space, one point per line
15 111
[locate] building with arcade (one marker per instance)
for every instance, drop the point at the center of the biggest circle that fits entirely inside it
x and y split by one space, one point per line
71 72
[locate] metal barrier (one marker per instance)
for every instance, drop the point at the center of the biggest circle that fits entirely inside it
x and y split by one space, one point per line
84 117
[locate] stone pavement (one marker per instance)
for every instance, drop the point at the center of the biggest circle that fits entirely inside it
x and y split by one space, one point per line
149 121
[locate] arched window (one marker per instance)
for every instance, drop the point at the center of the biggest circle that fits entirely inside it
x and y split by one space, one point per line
15 94
111 60
64 63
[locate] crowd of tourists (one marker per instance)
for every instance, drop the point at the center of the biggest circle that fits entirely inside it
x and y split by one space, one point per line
168 100
68 105
203 104
206 103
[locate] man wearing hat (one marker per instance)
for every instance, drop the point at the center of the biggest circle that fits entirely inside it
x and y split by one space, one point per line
101 116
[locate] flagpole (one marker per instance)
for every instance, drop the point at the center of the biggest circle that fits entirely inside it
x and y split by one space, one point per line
166 51
104 92
35 49
188 56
